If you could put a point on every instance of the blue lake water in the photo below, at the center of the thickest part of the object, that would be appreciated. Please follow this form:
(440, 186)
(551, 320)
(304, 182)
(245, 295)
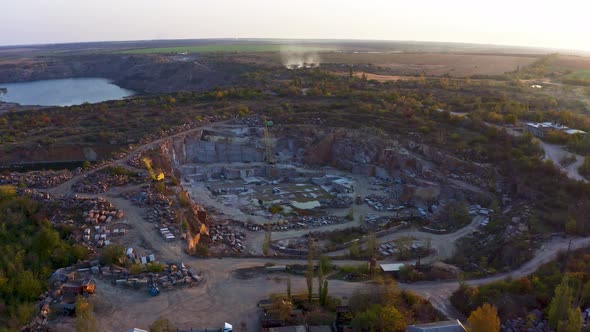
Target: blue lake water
(63, 92)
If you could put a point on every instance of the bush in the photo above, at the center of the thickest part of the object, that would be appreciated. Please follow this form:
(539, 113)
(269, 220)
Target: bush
(202, 250)
(112, 254)
(276, 209)
(136, 269)
(7, 192)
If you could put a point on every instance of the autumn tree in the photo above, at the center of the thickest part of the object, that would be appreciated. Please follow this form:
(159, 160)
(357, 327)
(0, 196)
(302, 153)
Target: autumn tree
(574, 321)
(85, 320)
(282, 307)
(267, 240)
(560, 304)
(320, 281)
(484, 319)
(309, 272)
(354, 250)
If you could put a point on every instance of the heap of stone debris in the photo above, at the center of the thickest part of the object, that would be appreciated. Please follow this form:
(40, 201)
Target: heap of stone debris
(100, 182)
(228, 236)
(533, 323)
(38, 179)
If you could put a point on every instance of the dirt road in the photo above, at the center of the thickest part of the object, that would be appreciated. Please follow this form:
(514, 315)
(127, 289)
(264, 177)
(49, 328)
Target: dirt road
(225, 297)
(66, 187)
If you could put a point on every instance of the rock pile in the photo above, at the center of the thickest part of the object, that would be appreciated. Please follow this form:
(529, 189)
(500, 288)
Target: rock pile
(39, 179)
(533, 323)
(228, 236)
(100, 182)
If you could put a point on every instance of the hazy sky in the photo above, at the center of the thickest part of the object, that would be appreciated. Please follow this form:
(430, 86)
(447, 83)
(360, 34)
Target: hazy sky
(546, 23)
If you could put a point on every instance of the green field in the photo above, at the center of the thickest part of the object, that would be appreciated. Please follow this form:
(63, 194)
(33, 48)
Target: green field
(228, 48)
(580, 75)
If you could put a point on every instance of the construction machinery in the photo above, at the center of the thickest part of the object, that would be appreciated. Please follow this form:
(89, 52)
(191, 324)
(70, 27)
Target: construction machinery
(156, 176)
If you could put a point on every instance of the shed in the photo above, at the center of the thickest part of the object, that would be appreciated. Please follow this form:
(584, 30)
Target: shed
(444, 326)
(392, 267)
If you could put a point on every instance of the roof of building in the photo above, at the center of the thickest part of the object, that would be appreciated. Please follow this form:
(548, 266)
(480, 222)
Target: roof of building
(574, 131)
(443, 326)
(392, 267)
(295, 328)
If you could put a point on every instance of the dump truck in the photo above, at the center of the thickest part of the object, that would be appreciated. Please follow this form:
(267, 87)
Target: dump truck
(84, 287)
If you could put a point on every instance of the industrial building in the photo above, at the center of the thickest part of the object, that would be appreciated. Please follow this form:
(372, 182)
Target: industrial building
(539, 129)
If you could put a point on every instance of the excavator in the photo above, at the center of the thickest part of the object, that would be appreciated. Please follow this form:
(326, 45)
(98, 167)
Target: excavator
(156, 176)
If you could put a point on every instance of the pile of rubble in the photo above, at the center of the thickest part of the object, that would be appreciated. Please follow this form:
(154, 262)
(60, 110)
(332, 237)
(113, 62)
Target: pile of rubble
(382, 203)
(228, 236)
(180, 128)
(172, 276)
(100, 182)
(254, 120)
(159, 209)
(298, 222)
(533, 323)
(338, 202)
(137, 161)
(39, 179)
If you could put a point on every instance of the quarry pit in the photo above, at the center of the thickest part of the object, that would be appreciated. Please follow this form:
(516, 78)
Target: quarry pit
(299, 180)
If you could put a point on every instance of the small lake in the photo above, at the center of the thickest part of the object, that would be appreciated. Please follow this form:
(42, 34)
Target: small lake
(63, 92)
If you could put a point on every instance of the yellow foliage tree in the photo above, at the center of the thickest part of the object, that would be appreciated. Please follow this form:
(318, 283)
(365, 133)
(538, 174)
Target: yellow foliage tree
(484, 319)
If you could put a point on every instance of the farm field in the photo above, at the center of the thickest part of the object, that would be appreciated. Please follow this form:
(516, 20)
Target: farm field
(433, 64)
(571, 62)
(221, 48)
(580, 75)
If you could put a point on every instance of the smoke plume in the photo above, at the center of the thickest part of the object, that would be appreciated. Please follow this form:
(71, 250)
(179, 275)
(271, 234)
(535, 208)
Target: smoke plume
(294, 58)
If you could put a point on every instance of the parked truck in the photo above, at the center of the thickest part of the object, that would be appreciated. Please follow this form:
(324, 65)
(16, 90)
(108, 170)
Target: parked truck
(83, 287)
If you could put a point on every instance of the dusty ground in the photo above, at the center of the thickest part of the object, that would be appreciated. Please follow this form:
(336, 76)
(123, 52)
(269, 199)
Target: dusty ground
(223, 297)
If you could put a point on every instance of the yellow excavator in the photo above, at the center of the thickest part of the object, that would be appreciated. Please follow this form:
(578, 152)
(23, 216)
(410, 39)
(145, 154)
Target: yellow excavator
(156, 176)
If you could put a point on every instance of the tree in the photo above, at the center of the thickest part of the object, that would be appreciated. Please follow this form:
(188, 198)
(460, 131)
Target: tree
(364, 321)
(320, 281)
(3, 91)
(267, 239)
(309, 272)
(289, 286)
(325, 264)
(389, 319)
(458, 213)
(560, 304)
(85, 320)
(574, 321)
(372, 245)
(7, 192)
(354, 249)
(324, 295)
(484, 319)
(162, 325)
(112, 254)
(282, 307)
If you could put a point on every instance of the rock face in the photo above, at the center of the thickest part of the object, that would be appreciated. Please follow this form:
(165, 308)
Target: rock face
(215, 152)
